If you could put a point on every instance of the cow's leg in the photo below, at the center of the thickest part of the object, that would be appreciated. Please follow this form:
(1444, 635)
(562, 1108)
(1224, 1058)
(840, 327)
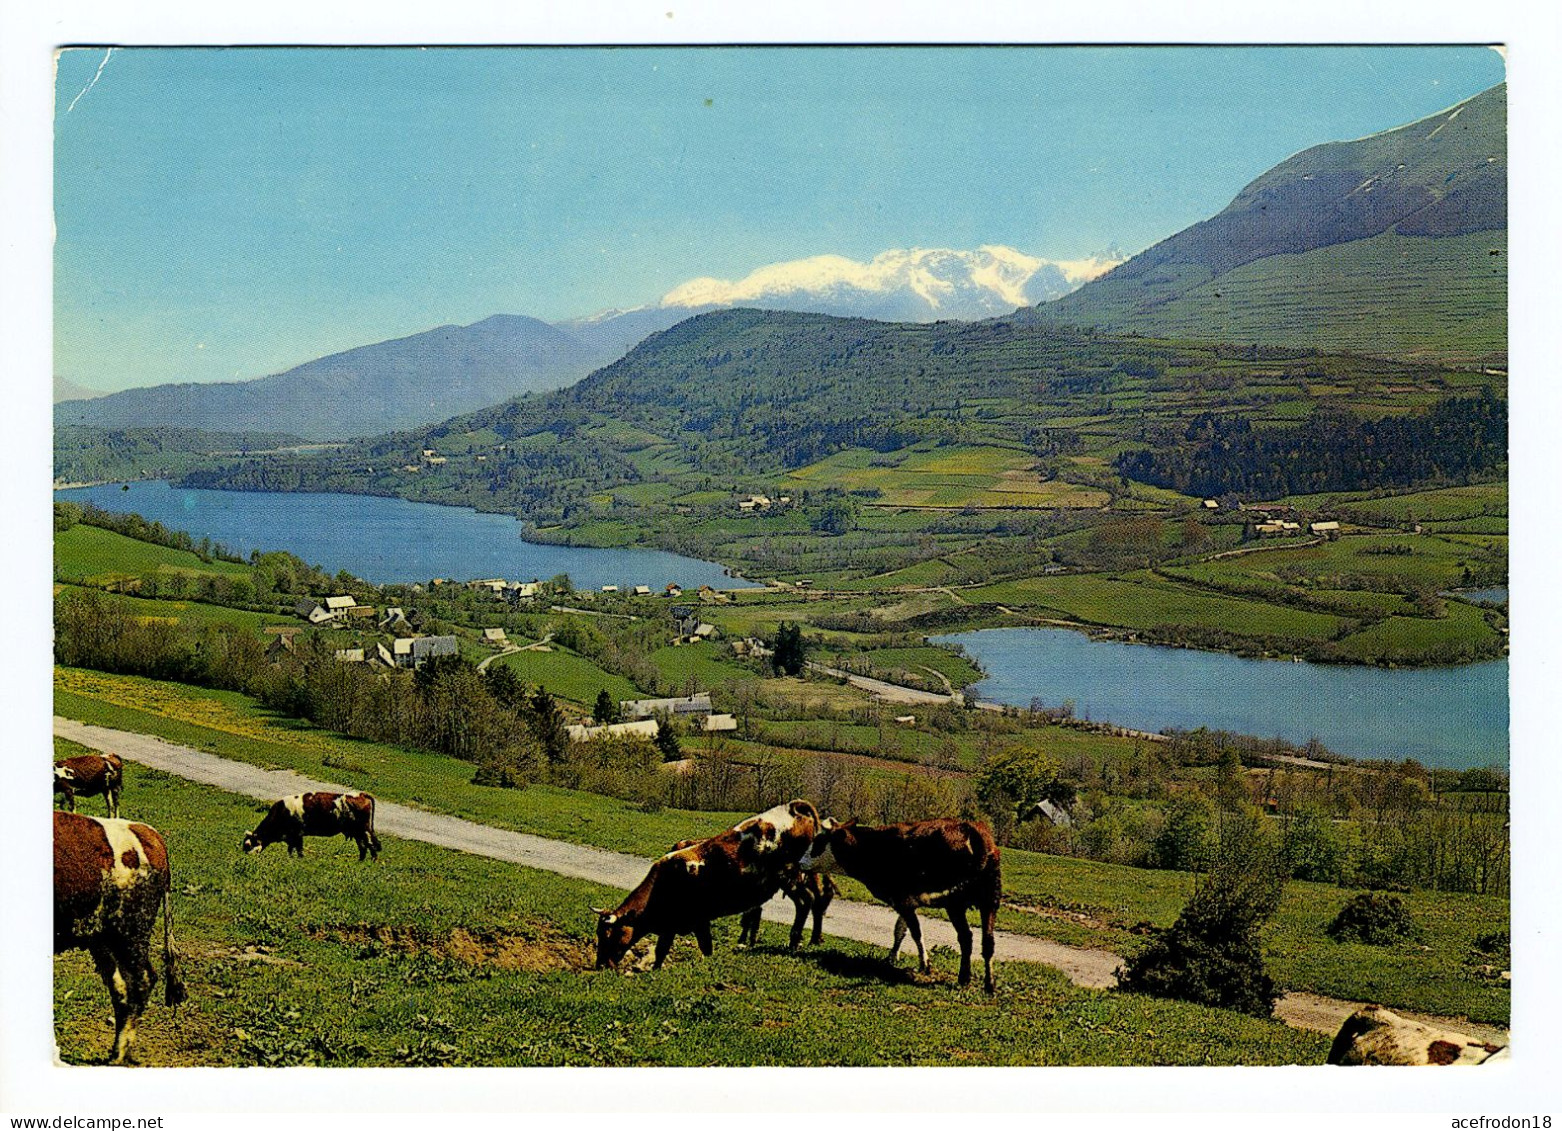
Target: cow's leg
(119, 993)
(821, 902)
(748, 928)
(363, 847)
(702, 936)
(295, 845)
(664, 943)
(908, 922)
(989, 921)
(70, 800)
(111, 795)
(135, 965)
(963, 933)
(802, 903)
(900, 937)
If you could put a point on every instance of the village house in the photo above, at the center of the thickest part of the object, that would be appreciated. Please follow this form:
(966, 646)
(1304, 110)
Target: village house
(714, 724)
(495, 636)
(642, 590)
(331, 609)
(415, 651)
(1326, 529)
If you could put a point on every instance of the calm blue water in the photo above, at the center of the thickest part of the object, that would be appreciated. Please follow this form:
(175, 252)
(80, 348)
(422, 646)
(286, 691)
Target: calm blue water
(1453, 717)
(391, 540)
(1497, 595)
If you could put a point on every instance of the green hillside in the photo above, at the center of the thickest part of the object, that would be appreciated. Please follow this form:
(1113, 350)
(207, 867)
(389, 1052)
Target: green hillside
(1404, 296)
(1392, 244)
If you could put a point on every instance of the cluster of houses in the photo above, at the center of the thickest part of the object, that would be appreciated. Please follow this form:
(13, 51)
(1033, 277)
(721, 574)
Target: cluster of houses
(762, 503)
(1278, 522)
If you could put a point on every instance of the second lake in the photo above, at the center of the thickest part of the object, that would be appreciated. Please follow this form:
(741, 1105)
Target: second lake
(1450, 717)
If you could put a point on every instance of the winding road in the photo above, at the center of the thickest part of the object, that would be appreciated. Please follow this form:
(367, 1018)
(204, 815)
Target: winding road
(864, 922)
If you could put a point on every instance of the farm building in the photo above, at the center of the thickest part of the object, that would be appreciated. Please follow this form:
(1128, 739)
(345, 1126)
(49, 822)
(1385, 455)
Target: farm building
(644, 728)
(495, 636)
(716, 723)
(682, 705)
(1327, 529)
(1053, 814)
(642, 590)
(349, 655)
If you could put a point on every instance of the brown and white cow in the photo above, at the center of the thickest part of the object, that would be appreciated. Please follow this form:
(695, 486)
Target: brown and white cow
(727, 874)
(1374, 1035)
(90, 775)
(110, 877)
(317, 814)
(810, 892)
(944, 863)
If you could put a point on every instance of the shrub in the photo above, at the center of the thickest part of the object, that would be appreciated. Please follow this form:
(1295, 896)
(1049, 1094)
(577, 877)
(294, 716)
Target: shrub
(1494, 945)
(1373, 917)
(1211, 954)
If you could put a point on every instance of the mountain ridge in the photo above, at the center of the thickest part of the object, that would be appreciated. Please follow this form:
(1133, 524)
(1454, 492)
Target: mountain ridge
(1442, 177)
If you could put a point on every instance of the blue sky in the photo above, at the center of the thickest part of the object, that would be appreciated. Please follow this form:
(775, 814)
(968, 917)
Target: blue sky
(225, 214)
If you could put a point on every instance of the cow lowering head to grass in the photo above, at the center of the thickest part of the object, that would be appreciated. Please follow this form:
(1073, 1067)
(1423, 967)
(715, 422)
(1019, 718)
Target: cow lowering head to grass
(317, 814)
(90, 775)
(943, 863)
(727, 874)
(110, 877)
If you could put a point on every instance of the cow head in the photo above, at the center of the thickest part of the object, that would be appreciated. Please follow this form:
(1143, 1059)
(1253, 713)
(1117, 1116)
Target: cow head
(616, 933)
(820, 856)
(252, 843)
(63, 775)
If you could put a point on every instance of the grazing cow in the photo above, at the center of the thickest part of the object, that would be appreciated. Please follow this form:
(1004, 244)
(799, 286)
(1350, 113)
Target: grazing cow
(90, 775)
(1374, 1035)
(808, 891)
(727, 874)
(317, 814)
(110, 876)
(944, 863)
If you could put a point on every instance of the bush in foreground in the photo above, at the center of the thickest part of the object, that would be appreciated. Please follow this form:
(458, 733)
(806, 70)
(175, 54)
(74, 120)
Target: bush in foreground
(1211, 954)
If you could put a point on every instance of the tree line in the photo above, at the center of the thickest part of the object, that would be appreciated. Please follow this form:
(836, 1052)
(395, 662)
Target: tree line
(1454, 441)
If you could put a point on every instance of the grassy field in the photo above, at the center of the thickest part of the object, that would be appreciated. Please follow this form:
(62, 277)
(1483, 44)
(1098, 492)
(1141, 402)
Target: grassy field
(697, 667)
(1136, 602)
(431, 957)
(1079, 902)
(947, 476)
(568, 675)
(94, 555)
(186, 612)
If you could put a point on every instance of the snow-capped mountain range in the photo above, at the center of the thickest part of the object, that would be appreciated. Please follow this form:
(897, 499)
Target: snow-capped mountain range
(901, 284)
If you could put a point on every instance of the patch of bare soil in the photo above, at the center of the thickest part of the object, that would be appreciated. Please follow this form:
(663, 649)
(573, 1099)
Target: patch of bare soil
(1083, 919)
(165, 1037)
(535, 949)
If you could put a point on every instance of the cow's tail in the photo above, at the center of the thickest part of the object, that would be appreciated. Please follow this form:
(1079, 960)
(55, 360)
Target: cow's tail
(374, 841)
(801, 808)
(173, 985)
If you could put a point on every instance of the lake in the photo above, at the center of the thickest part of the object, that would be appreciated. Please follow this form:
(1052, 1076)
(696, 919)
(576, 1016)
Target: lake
(1452, 717)
(390, 541)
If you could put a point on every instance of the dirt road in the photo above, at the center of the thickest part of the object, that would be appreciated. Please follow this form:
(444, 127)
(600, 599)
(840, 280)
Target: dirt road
(864, 922)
